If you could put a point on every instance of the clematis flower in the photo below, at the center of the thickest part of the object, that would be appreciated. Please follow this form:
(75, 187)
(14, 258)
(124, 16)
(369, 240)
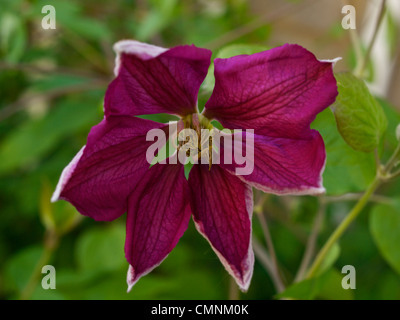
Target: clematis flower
(277, 93)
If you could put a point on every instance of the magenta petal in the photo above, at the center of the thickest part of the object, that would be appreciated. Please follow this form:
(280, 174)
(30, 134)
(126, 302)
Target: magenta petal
(100, 178)
(153, 80)
(222, 206)
(158, 215)
(283, 166)
(276, 92)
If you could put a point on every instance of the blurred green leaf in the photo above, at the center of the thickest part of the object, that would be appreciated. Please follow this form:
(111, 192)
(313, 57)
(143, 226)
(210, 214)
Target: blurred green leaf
(45, 209)
(34, 138)
(304, 290)
(360, 119)
(332, 288)
(346, 170)
(326, 286)
(20, 267)
(70, 16)
(329, 260)
(13, 36)
(101, 249)
(56, 81)
(157, 18)
(385, 228)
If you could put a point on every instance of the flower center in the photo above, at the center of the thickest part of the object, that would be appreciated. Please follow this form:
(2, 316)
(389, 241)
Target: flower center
(196, 138)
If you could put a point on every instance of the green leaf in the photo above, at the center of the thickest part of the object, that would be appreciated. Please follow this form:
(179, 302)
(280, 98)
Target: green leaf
(20, 267)
(101, 249)
(35, 138)
(303, 290)
(325, 286)
(385, 228)
(331, 257)
(332, 287)
(157, 19)
(57, 81)
(360, 119)
(13, 36)
(346, 170)
(187, 168)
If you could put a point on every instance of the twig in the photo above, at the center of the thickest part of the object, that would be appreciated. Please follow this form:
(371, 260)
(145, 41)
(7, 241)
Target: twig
(356, 196)
(311, 243)
(268, 239)
(269, 16)
(53, 70)
(265, 260)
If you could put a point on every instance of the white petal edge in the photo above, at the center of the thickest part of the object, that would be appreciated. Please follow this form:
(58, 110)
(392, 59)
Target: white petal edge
(66, 175)
(249, 259)
(136, 48)
(300, 191)
(333, 61)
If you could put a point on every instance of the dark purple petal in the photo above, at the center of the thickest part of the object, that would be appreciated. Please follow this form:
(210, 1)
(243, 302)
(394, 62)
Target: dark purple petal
(153, 80)
(277, 92)
(158, 215)
(222, 206)
(102, 175)
(280, 165)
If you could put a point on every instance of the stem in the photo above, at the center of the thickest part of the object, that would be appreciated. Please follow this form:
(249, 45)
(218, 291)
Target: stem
(355, 40)
(392, 161)
(395, 174)
(343, 227)
(360, 70)
(311, 243)
(265, 260)
(356, 196)
(258, 209)
(233, 290)
(268, 239)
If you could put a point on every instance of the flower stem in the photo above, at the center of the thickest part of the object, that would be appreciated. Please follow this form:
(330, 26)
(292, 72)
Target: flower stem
(234, 293)
(343, 227)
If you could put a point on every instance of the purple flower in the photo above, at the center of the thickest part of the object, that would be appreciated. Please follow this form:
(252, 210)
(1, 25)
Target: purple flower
(278, 93)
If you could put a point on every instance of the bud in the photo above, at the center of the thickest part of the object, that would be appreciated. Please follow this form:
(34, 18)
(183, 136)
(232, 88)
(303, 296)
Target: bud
(398, 132)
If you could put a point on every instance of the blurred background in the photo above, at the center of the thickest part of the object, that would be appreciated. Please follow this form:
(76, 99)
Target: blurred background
(52, 84)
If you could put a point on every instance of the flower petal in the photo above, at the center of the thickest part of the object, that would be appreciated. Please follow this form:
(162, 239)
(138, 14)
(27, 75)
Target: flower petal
(100, 178)
(158, 215)
(280, 165)
(222, 207)
(276, 92)
(153, 80)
